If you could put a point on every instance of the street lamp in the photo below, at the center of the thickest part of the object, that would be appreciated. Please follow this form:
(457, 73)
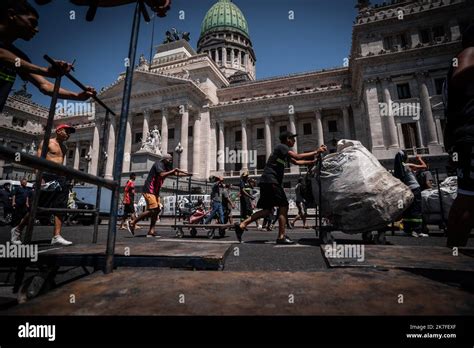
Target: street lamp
(179, 150)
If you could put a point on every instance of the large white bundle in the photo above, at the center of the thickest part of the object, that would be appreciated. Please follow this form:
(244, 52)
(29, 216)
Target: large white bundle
(358, 193)
(430, 200)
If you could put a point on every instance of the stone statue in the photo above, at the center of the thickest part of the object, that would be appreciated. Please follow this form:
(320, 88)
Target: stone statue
(32, 150)
(174, 35)
(152, 142)
(169, 37)
(142, 60)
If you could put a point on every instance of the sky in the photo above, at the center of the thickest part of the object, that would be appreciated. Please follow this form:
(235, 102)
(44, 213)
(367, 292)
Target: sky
(318, 37)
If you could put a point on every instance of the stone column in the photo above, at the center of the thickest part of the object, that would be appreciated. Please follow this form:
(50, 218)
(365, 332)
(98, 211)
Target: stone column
(212, 143)
(319, 128)
(389, 119)
(128, 145)
(293, 129)
(220, 157)
(374, 119)
(268, 138)
(95, 151)
(224, 56)
(196, 143)
(184, 137)
(110, 151)
(232, 57)
(164, 131)
(239, 60)
(245, 159)
(146, 124)
(77, 156)
(428, 120)
(347, 127)
(401, 141)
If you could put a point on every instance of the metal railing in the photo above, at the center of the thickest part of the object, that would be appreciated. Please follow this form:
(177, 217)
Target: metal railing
(41, 164)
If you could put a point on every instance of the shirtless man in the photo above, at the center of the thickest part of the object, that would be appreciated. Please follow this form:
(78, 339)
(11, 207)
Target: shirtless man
(57, 193)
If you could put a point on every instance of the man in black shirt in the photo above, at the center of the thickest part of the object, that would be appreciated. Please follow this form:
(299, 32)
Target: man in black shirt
(271, 184)
(19, 20)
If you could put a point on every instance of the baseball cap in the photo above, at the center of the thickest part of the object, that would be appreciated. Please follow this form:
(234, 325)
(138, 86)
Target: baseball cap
(68, 128)
(285, 135)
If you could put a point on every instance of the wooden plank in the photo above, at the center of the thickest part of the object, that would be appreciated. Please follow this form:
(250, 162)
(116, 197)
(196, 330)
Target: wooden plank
(141, 253)
(326, 292)
(407, 257)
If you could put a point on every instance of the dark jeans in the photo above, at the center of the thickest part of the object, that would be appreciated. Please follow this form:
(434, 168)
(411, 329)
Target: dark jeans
(216, 209)
(412, 219)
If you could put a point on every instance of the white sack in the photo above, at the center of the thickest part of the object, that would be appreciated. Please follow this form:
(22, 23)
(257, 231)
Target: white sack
(358, 193)
(430, 199)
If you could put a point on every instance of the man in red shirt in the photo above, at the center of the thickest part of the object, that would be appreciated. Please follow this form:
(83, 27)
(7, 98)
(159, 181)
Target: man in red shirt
(151, 192)
(128, 199)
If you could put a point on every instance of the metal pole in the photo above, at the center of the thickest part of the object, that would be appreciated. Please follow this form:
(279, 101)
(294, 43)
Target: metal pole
(118, 163)
(320, 195)
(44, 151)
(80, 85)
(189, 189)
(152, 39)
(20, 272)
(100, 173)
(440, 198)
(176, 196)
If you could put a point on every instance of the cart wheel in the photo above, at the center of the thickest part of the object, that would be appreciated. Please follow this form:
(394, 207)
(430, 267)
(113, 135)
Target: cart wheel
(179, 233)
(222, 232)
(194, 232)
(368, 237)
(380, 239)
(211, 234)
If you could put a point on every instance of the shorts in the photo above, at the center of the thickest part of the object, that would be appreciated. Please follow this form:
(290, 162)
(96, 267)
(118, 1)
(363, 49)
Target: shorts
(245, 207)
(152, 201)
(128, 209)
(57, 195)
(465, 168)
(301, 208)
(271, 195)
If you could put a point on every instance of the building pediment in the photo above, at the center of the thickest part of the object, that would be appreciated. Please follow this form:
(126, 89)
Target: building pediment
(143, 82)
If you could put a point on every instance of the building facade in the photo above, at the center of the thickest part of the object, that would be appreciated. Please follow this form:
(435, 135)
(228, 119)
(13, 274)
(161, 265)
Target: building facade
(387, 95)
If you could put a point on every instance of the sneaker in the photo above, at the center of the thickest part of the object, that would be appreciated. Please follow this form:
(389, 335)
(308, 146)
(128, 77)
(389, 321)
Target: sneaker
(285, 241)
(154, 235)
(60, 240)
(259, 227)
(130, 228)
(238, 232)
(15, 236)
(423, 235)
(414, 234)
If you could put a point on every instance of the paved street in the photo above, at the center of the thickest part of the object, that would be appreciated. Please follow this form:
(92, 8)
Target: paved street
(257, 257)
(258, 252)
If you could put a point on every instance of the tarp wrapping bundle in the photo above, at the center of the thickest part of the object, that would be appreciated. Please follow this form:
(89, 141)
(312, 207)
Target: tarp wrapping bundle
(358, 193)
(431, 206)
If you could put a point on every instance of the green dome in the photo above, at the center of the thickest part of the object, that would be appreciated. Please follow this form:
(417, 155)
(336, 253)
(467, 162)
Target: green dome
(224, 15)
